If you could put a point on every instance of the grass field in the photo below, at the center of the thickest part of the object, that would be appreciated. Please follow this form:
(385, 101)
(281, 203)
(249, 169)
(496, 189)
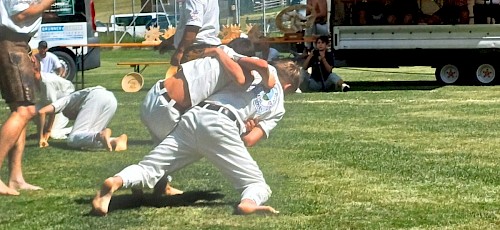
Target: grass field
(396, 152)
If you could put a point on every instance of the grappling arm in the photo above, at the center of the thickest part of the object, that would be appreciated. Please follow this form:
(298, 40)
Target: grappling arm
(261, 67)
(230, 67)
(188, 38)
(254, 133)
(45, 129)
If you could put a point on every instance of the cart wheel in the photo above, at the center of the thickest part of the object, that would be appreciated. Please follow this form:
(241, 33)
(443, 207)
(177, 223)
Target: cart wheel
(289, 20)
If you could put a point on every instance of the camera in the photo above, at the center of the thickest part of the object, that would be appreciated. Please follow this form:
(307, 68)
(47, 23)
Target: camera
(316, 52)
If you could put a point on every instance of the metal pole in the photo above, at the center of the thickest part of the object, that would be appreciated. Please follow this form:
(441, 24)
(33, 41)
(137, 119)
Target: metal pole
(163, 7)
(175, 13)
(133, 21)
(114, 23)
(332, 21)
(237, 3)
(264, 17)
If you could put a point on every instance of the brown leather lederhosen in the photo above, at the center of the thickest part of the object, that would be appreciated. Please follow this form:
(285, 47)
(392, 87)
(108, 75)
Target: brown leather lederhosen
(17, 76)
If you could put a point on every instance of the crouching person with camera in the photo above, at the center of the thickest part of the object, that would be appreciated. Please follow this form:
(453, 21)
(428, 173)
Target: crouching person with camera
(321, 78)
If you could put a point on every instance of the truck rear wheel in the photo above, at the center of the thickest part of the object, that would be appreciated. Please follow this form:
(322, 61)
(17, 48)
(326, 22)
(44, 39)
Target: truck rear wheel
(485, 74)
(68, 63)
(448, 74)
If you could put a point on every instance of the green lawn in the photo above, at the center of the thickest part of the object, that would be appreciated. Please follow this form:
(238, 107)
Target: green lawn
(396, 152)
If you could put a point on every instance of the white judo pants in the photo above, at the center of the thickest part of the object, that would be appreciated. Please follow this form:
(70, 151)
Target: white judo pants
(158, 115)
(202, 133)
(96, 112)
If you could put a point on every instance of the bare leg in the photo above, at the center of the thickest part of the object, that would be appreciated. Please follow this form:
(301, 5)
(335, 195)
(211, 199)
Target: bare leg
(17, 181)
(100, 203)
(119, 143)
(105, 136)
(248, 206)
(9, 135)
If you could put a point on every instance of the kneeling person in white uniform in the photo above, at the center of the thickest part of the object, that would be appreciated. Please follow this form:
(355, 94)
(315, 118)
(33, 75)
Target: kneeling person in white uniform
(53, 87)
(92, 110)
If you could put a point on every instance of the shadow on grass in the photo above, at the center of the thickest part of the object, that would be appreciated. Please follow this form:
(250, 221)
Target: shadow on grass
(62, 144)
(392, 85)
(131, 201)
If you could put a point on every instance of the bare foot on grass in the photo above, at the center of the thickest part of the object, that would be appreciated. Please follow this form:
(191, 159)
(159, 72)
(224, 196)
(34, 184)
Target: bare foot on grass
(43, 143)
(44, 140)
(100, 203)
(249, 207)
(120, 142)
(171, 191)
(23, 186)
(163, 187)
(6, 191)
(105, 136)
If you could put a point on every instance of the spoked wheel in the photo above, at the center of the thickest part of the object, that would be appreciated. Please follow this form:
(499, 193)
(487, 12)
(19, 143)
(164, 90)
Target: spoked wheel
(448, 74)
(291, 20)
(485, 74)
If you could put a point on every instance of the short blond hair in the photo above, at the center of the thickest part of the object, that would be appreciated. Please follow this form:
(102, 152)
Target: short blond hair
(288, 73)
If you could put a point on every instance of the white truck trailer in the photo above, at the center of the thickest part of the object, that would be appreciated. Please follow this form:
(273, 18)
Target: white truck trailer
(462, 53)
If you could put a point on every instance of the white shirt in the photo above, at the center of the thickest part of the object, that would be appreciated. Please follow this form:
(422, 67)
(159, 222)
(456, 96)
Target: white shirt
(54, 87)
(203, 14)
(204, 76)
(254, 103)
(9, 8)
(71, 104)
(50, 63)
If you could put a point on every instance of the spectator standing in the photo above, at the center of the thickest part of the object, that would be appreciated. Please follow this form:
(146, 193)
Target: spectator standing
(198, 29)
(321, 22)
(19, 21)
